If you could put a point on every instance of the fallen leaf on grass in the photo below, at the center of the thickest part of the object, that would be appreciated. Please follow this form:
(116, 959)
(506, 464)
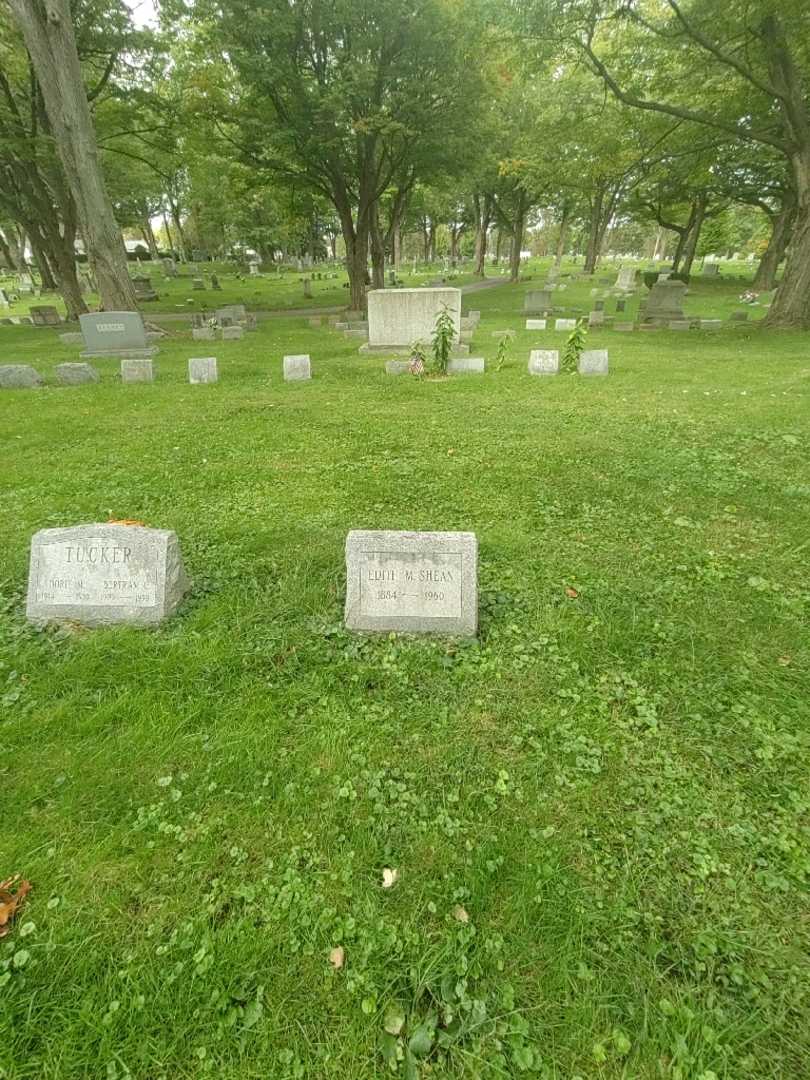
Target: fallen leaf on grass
(125, 521)
(13, 892)
(784, 660)
(572, 593)
(460, 914)
(389, 878)
(337, 957)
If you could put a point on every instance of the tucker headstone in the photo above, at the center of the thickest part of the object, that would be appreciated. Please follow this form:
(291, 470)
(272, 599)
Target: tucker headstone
(115, 333)
(412, 582)
(103, 574)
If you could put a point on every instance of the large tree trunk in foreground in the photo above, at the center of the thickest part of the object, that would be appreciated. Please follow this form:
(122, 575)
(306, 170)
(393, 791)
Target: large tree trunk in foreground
(781, 226)
(790, 308)
(48, 32)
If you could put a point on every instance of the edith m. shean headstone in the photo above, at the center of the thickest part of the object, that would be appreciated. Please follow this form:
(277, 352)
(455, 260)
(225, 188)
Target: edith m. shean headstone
(416, 582)
(97, 575)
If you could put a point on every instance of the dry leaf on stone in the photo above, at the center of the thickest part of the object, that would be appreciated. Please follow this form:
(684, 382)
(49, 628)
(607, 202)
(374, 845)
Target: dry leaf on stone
(460, 914)
(13, 892)
(389, 878)
(125, 521)
(337, 957)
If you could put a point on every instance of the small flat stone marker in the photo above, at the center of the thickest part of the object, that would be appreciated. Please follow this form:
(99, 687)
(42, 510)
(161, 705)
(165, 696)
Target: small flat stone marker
(98, 575)
(593, 362)
(76, 374)
(535, 324)
(419, 582)
(711, 324)
(18, 376)
(678, 324)
(202, 369)
(203, 333)
(297, 367)
(397, 367)
(544, 362)
(232, 333)
(466, 365)
(625, 327)
(136, 371)
(565, 324)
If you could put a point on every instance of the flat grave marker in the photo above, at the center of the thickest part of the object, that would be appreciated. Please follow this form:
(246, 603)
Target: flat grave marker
(421, 582)
(544, 362)
(297, 367)
(202, 369)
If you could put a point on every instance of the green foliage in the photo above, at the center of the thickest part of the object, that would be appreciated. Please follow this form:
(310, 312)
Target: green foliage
(679, 275)
(574, 344)
(649, 277)
(503, 350)
(444, 336)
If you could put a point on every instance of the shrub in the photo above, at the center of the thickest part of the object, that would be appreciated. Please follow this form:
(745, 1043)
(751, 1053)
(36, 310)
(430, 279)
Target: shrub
(444, 335)
(650, 278)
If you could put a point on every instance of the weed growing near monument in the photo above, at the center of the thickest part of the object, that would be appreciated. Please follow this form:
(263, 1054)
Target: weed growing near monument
(444, 336)
(574, 346)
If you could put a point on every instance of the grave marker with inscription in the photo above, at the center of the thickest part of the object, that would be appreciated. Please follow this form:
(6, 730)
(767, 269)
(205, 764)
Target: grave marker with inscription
(115, 333)
(420, 582)
(98, 575)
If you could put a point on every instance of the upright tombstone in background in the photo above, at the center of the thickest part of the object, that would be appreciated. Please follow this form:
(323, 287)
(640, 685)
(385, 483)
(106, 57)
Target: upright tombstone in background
(100, 574)
(115, 333)
(626, 281)
(44, 315)
(665, 302)
(420, 582)
(537, 302)
(402, 316)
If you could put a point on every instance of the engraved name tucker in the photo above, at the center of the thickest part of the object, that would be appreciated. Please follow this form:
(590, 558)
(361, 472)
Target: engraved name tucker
(98, 553)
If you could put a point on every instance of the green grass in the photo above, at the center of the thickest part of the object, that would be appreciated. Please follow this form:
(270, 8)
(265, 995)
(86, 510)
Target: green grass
(613, 786)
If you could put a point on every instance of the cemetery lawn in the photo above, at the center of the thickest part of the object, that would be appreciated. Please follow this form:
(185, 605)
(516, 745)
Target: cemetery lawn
(597, 811)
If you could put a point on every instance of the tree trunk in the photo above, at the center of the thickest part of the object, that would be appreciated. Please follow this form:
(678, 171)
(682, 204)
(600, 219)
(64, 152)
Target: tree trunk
(65, 261)
(781, 225)
(562, 236)
(47, 280)
(149, 237)
(483, 220)
(498, 242)
(517, 236)
(377, 249)
(790, 308)
(5, 251)
(594, 235)
(695, 225)
(51, 44)
(431, 241)
(182, 248)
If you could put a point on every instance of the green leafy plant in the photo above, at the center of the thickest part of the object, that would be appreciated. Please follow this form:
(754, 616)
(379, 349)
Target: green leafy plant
(503, 350)
(574, 345)
(444, 334)
(650, 278)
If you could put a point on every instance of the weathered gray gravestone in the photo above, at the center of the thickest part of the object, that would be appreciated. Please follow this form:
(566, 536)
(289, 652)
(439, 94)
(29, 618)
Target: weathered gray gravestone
(596, 318)
(103, 574)
(537, 301)
(232, 333)
(466, 365)
(593, 362)
(665, 301)
(565, 324)
(18, 376)
(133, 371)
(115, 333)
(535, 324)
(412, 582)
(402, 316)
(544, 362)
(202, 369)
(397, 367)
(43, 315)
(296, 367)
(203, 333)
(626, 279)
(76, 374)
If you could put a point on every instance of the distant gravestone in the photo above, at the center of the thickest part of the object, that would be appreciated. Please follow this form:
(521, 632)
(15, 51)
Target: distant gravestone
(296, 367)
(169, 267)
(307, 288)
(143, 288)
(115, 333)
(198, 284)
(678, 324)
(76, 374)
(665, 301)
(625, 327)
(537, 302)
(237, 312)
(739, 316)
(711, 269)
(565, 324)
(203, 333)
(412, 582)
(199, 255)
(711, 324)
(599, 305)
(215, 285)
(466, 365)
(232, 333)
(535, 324)
(42, 315)
(544, 362)
(202, 369)
(253, 268)
(397, 367)
(103, 574)
(596, 318)
(135, 371)
(18, 376)
(593, 362)
(626, 279)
